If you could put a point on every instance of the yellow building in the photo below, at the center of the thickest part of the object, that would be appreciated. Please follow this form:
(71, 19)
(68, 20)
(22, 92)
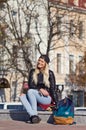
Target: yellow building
(67, 48)
(69, 45)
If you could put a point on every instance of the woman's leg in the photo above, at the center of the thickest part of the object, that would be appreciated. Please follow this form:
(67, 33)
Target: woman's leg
(27, 105)
(30, 104)
(34, 98)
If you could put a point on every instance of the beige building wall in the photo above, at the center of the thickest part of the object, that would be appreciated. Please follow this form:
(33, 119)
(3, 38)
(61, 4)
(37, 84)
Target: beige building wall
(67, 46)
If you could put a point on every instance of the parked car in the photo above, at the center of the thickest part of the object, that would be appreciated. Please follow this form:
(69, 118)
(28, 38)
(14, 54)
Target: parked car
(11, 105)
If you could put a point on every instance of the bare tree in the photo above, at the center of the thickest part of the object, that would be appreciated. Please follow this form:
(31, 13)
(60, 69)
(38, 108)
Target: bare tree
(78, 78)
(62, 22)
(17, 20)
(16, 38)
(18, 32)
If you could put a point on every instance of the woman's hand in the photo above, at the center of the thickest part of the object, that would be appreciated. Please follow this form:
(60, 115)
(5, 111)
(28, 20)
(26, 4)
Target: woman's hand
(44, 92)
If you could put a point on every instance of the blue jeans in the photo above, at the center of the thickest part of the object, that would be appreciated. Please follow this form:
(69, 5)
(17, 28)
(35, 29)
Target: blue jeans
(30, 101)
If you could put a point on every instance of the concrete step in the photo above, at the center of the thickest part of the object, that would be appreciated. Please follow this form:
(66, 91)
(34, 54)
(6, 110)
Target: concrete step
(22, 115)
(46, 116)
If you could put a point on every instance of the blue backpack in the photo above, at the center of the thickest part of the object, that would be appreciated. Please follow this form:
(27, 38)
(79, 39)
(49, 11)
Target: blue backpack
(64, 113)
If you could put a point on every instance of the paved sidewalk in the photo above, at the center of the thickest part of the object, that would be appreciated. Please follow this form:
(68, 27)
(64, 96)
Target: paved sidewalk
(20, 125)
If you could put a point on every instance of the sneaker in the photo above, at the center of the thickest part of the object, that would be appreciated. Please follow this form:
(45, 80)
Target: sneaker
(35, 119)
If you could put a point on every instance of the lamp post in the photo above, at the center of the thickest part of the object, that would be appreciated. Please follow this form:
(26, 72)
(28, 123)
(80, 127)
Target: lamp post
(60, 89)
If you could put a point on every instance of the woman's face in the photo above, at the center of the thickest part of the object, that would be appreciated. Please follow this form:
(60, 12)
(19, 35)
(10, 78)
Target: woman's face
(41, 64)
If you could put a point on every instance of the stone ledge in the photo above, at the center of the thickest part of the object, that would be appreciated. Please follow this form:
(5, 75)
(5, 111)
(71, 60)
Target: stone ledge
(23, 116)
(46, 116)
(80, 113)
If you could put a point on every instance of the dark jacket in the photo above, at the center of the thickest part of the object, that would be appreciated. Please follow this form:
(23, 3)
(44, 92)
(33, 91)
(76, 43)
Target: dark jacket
(40, 84)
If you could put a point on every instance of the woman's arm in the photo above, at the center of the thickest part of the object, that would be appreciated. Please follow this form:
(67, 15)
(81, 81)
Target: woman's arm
(30, 80)
(53, 87)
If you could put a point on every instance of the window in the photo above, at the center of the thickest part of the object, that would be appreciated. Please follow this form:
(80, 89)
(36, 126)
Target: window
(72, 28)
(15, 54)
(71, 64)
(2, 61)
(58, 63)
(76, 29)
(78, 98)
(85, 99)
(13, 91)
(80, 30)
(14, 12)
(15, 107)
(1, 106)
(80, 58)
(15, 51)
(59, 24)
(80, 68)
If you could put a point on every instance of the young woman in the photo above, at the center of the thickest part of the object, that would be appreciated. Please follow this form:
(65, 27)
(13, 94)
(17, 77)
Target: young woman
(41, 88)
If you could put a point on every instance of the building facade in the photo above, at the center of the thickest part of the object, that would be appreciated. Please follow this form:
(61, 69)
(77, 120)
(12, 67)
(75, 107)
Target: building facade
(22, 28)
(70, 47)
(67, 45)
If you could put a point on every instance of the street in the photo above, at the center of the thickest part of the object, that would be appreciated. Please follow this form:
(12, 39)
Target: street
(19, 125)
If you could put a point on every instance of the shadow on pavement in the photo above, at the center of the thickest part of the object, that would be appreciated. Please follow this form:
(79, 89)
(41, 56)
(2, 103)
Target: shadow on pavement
(19, 115)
